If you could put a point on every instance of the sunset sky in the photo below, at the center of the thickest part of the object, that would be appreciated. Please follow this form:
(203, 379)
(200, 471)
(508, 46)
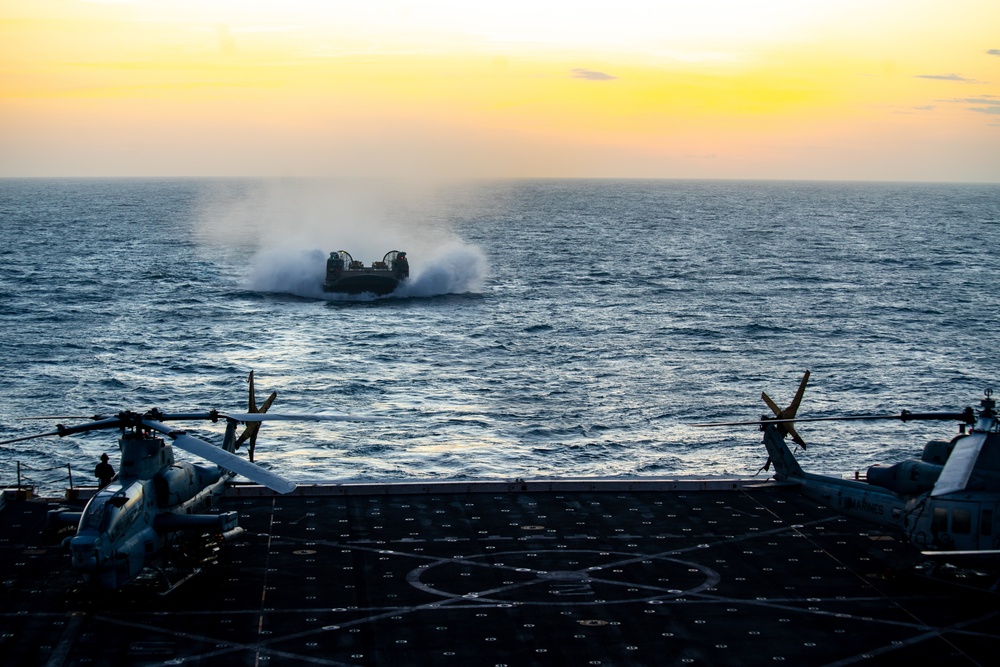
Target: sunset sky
(803, 89)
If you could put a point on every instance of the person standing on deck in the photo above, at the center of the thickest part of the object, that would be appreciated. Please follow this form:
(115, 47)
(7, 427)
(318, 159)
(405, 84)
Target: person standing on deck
(104, 472)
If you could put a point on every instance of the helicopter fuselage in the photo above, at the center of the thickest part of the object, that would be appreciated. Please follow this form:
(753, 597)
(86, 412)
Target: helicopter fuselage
(967, 520)
(128, 523)
(960, 522)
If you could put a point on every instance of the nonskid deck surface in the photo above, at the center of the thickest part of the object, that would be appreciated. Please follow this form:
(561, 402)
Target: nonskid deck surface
(496, 577)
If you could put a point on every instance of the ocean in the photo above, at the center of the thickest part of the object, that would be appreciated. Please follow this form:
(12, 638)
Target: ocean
(551, 328)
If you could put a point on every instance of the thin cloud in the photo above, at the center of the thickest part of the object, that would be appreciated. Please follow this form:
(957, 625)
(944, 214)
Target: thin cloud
(994, 52)
(945, 77)
(591, 75)
(989, 104)
(985, 99)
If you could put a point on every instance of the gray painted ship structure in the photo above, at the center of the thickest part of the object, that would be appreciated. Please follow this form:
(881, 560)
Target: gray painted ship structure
(525, 572)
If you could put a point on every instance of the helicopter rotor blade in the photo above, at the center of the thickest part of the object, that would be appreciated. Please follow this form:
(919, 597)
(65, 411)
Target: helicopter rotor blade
(222, 458)
(262, 417)
(796, 438)
(211, 415)
(31, 437)
(47, 417)
(794, 406)
(127, 419)
(63, 431)
(958, 468)
(904, 416)
(771, 404)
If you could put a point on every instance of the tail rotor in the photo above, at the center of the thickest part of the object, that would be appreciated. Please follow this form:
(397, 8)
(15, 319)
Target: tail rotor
(252, 428)
(786, 428)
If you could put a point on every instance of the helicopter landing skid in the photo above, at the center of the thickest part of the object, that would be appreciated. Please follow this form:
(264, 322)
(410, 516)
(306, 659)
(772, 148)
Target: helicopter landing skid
(172, 586)
(185, 561)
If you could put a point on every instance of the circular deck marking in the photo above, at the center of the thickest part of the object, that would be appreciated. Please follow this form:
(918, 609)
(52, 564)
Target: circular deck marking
(543, 578)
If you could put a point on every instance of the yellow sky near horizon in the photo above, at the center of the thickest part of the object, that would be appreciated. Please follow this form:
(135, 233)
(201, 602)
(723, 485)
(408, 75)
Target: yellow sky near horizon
(827, 89)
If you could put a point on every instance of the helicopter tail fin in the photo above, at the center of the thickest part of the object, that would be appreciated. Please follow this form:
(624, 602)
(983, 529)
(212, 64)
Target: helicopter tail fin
(785, 465)
(229, 440)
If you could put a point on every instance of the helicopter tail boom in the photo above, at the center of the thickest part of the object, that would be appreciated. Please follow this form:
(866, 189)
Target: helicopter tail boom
(785, 465)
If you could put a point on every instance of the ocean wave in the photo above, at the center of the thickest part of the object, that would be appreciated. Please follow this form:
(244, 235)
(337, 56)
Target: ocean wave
(502, 356)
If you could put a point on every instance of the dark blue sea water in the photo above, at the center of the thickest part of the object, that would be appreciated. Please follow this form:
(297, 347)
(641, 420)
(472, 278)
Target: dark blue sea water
(570, 328)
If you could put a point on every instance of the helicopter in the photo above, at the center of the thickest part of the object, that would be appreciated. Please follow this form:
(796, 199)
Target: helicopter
(154, 510)
(946, 503)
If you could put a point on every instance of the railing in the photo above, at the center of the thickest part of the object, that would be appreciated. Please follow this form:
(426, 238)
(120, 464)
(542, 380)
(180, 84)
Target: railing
(25, 481)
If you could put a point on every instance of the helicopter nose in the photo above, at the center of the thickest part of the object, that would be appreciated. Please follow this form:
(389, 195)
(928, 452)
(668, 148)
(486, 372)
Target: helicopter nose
(84, 550)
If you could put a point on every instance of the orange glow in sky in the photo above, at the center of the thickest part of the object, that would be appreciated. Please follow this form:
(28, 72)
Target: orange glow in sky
(824, 89)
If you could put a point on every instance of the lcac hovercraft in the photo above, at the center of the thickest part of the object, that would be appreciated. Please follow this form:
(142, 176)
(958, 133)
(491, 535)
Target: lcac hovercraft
(349, 276)
(153, 513)
(946, 503)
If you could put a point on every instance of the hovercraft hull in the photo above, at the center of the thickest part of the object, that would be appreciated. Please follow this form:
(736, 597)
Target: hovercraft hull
(379, 285)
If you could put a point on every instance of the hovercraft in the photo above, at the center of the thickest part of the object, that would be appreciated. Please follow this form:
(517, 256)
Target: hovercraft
(346, 275)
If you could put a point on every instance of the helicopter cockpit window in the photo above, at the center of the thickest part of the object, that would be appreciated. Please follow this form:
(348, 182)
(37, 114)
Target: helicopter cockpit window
(104, 509)
(961, 522)
(95, 512)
